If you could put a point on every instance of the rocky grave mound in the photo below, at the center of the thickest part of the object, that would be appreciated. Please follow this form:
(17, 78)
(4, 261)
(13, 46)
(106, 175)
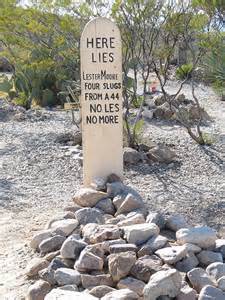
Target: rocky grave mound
(107, 246)
(174, 109)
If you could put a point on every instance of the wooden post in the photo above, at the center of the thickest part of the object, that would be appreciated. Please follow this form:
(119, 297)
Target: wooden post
(101, 100)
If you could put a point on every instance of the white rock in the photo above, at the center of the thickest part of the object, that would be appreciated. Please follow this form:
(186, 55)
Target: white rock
(163, 283)
(88, 197)
(135, 219)
(123, 294)
(199, 278)
(89, 262)
(216, 270)
(221, 283)
(39, 237)
(35, 265)
(72, 247)
(140, 233)
(176, 222)
(132, 284)
(59, 294)
(67, 226)
(65, 276)
(202, 236)
(211, 293)
(171, 255)
(38, 290)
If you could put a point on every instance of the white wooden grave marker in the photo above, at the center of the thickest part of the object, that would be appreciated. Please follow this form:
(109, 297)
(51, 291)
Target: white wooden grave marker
(101, 100)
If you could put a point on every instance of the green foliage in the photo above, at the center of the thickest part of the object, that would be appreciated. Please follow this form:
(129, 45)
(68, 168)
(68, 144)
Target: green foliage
(12, 93)
(133, 132)
(6, 84)
(184, 71)
(215, 68)
(21, 100)
(48, 98)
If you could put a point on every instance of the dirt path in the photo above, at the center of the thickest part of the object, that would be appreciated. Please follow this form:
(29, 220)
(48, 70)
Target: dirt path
(38, 179)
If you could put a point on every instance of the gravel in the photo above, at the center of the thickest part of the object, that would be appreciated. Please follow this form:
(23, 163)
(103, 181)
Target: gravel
(38, 177)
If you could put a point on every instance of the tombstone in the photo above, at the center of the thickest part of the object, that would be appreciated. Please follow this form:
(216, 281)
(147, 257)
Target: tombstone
(101, 100)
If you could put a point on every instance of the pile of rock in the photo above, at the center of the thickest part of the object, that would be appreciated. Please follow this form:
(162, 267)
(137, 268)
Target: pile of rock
(170, 109)
(107, 246)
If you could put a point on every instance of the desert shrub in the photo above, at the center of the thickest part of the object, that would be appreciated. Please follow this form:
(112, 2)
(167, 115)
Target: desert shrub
(184, 71)
(215, 68)
(21, 100)
(48, 98)
(5, 84)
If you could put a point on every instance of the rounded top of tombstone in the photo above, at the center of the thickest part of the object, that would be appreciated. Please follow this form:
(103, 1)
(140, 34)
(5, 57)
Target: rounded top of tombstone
(103, 23)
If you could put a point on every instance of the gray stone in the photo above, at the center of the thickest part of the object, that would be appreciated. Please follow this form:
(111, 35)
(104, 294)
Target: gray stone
(207, 257)
(67, 226)
(187, 293)
(129, 204)
(38, 290)
(123, 294)
(65, 276)
(163, 283)
(121, 264)
(161, 154)
(89, 215)
(59, 294)
(106, 245)
(216, 270)
(98, 184)
(48, 274)
(156, 242)
(39, 237)
(211, 293)
(201, 236)
(131, 156)
(132, 284)
(117, 248)
(188, 263)
(88, 197)
(35, 265)
(118, 188)
(118, 200)
(89, 281)
(220, 246)
(101, 291)
(199, 278)
(96, 249)
(157, 218)
(88, 262)
(140, 233)
(94, 233)
(146, 266)
(69, 287)
(176, 222)
(191, 248)
(171, 255)
(72, 247)
(221, 283)
(51, 244)
(106, 205)
(137, 218)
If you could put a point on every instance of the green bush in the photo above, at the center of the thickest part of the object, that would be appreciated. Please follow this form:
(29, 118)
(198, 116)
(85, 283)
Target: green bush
(5, 84)
(21, 100)
(184, 71)
(48, 98)
(215, 69)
